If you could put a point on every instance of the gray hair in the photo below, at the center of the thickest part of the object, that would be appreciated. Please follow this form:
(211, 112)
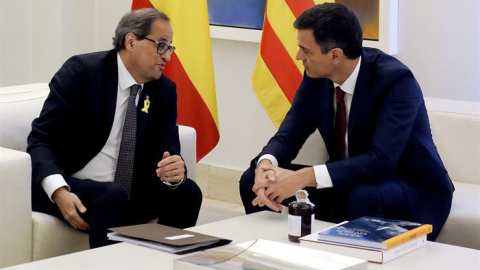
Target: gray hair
(138, 22)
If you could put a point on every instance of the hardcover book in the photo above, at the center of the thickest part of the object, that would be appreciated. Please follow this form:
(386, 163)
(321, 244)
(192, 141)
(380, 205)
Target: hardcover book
(373, 232)
(370, 254)
(267, 255)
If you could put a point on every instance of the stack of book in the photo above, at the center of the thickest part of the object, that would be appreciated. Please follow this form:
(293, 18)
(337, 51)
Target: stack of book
(373, 239)
(268, 255)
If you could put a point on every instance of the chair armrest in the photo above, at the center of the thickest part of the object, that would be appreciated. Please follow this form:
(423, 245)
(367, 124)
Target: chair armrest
(15, 207)
(54, 237)
(188, 144)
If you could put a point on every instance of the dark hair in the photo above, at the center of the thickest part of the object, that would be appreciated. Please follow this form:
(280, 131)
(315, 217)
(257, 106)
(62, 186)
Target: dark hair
(334, 26)
(138, 22)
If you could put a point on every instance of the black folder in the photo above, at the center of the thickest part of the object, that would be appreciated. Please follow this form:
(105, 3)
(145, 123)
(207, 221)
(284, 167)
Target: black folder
(165, 238)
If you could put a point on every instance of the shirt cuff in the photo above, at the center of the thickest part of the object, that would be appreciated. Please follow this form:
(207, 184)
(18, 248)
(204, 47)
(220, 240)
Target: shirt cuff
(53, 182)
(322, 176)
(269, 157)
(175, 185)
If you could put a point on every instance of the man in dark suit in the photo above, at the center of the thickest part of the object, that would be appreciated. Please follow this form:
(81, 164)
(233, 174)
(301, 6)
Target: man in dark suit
(370, 112)
(105, 148)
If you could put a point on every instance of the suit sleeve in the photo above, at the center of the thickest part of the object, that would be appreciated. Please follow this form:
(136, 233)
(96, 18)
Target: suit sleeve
(293, 132)
(396, 117)
(171, 138)
(58, 107)
(167, 121)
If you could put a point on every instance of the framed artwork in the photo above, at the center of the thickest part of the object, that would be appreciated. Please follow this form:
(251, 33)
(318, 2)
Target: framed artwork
(378, 18)
(237, 13)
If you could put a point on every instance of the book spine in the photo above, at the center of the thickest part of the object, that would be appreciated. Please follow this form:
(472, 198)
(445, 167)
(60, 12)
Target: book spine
(408, 247)
(370, 255)
(408, 236)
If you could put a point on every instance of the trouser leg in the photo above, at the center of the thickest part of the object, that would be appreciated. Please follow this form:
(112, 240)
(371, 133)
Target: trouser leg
(384, 199)
(106, 205)
(178, 207)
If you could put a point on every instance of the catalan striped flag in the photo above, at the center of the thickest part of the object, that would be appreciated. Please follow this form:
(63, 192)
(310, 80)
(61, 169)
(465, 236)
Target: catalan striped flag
(191, 67)
(277, 73)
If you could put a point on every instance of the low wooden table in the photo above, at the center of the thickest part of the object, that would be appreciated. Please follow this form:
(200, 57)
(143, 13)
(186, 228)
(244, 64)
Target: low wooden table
(265, 225)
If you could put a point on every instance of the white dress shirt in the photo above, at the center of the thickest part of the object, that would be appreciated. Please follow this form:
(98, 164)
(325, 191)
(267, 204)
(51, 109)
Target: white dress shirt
(322, 176)
(103, 166)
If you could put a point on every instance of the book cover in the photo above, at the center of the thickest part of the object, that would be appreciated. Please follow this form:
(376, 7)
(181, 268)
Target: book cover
(374, 232)
(268, 255)
(370, 254)
(165, 238)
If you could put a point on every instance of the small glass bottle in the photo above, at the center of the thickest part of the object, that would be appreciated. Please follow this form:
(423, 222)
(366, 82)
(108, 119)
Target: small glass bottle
(300, 216)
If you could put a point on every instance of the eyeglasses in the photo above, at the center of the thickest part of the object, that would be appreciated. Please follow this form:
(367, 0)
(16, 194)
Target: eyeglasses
(161, 47)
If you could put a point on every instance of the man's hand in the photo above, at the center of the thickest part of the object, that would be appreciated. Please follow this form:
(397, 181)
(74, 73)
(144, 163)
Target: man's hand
(263, 174)
(69, 204)
(262, 178)
(171, 168)
(288, 182)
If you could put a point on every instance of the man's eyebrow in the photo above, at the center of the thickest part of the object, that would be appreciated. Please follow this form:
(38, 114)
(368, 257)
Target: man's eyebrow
(303, 48)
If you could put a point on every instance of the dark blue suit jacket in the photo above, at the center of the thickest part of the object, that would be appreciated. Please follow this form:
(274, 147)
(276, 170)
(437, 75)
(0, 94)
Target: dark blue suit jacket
(388, 135)
(77, 117)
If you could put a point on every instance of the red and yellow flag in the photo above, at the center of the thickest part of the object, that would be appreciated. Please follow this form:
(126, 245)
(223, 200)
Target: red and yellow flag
(277, 73)
(191, 67)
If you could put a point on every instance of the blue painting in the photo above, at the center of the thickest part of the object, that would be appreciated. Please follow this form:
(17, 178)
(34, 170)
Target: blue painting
(237, 13)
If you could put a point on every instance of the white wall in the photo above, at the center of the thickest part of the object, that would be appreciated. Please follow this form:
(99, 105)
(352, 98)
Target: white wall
(37, 36)
(244, 125)
(438, 39)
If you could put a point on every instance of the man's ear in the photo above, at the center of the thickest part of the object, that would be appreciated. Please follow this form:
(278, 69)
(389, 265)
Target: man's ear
(337, 55)
(130, 40)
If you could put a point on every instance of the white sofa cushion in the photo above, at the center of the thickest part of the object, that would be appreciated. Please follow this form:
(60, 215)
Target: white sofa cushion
(19, 105)
(188, 145)
(457, 137)
(15, 221)
(53, 237)
(463, 225)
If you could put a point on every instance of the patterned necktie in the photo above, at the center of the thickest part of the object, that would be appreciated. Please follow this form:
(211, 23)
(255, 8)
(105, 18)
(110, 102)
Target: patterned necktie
(340, 122)
(126, 155)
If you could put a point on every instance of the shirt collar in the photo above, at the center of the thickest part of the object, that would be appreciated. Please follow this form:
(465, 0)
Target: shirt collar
(125, 79)
(349, 85)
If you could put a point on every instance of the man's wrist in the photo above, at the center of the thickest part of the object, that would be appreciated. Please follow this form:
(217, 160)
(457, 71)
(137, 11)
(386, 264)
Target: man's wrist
(263, 162)
(174, 185)
(307, 176)
(58, 193)
(269, 157)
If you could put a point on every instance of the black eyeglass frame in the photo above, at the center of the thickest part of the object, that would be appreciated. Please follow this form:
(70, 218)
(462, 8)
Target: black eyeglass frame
(159, 44)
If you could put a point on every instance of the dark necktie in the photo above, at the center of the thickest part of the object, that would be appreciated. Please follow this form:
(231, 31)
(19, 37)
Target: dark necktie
(340, 122)
(126, 155)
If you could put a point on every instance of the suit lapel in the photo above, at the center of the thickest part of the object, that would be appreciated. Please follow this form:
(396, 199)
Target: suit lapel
(326, 120)
(362, 94)
(110, 90)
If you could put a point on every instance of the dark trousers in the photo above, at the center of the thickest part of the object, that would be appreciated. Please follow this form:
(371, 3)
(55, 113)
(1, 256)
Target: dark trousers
(107, 206)
(384, 199)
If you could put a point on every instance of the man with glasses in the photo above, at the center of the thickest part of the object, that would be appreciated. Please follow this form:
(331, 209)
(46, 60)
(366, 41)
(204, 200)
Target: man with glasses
(105, 149)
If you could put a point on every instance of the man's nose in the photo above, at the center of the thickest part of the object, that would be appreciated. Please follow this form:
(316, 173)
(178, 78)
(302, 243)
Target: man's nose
(167, 56)
(299, 55)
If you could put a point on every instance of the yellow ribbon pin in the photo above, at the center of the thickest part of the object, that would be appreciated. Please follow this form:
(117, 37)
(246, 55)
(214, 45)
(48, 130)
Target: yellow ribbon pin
(146, 105)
